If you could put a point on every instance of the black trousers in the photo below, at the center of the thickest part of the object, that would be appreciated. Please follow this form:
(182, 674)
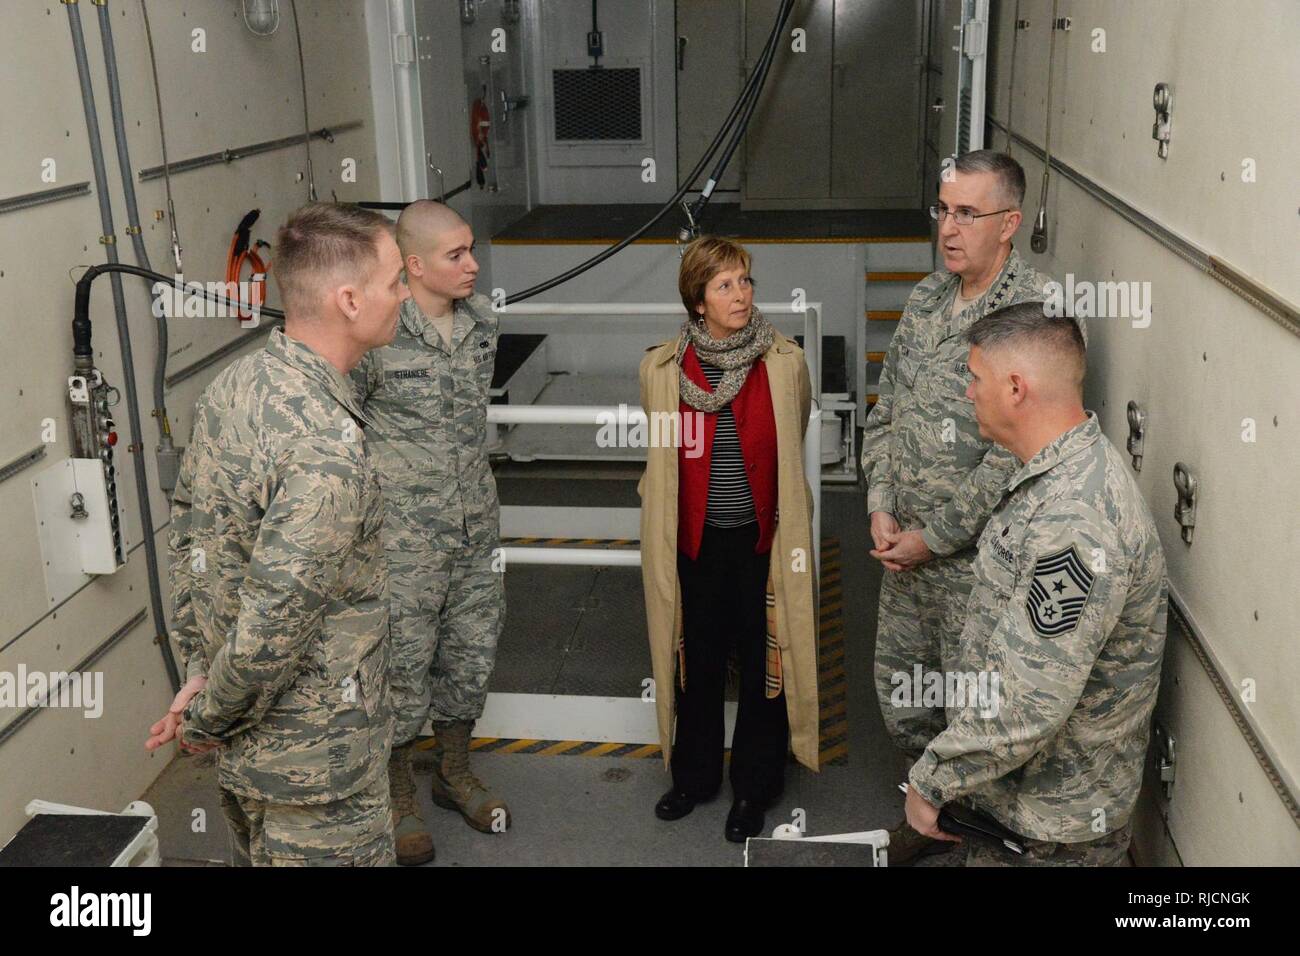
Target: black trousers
(724, 595)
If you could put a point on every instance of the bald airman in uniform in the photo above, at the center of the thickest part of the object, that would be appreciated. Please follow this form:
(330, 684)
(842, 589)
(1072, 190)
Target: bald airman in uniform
(427, 394)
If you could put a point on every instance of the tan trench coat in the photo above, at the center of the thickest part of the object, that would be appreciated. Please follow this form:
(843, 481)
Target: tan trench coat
(796, 601)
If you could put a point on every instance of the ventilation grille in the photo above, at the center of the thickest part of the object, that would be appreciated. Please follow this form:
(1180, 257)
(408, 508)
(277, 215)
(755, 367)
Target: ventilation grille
(601, 104)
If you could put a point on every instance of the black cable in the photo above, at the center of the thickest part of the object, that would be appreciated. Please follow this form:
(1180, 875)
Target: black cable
(81, 301)
(124, 342)
(81, 327)
(693, 214)
(749, 95)
(751, 85)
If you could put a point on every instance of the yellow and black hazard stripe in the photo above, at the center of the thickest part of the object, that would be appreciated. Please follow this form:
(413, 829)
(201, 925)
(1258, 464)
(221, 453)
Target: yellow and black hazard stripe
(831, 678)
(548, 748)
(612, 543)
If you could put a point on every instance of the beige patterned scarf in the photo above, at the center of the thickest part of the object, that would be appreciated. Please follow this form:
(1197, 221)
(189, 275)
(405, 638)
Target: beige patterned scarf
(734, 355)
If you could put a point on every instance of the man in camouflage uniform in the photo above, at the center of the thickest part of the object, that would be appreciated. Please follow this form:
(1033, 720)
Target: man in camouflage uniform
(1068, 610)
(427, 395)
(279, 584)
(931, 479)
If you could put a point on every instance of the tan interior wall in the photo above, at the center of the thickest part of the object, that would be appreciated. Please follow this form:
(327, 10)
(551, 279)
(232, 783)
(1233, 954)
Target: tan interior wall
(1208, 361)
(243, 89)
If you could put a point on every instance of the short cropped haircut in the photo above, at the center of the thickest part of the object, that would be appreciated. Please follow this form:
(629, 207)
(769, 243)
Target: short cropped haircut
(705, 258)
(1009, 173)
(319, 239)
(416, 221)
(1028, 323)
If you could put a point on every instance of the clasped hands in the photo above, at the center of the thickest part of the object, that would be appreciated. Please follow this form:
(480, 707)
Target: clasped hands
(171, 727)
(896, 549)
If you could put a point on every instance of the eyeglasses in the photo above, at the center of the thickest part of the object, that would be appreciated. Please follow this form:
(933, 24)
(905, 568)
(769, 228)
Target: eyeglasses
(963, 217)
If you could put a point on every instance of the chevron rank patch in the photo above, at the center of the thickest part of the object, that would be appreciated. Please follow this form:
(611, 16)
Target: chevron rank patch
(1058, 592)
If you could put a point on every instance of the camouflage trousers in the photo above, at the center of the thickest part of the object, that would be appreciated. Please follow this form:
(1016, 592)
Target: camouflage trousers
(1109, 850)
(354, 831)
(920, 621)
(448, 607)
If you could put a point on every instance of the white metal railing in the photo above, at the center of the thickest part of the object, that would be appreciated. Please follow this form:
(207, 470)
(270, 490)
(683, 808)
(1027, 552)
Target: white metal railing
(634, 416)
(811, 312)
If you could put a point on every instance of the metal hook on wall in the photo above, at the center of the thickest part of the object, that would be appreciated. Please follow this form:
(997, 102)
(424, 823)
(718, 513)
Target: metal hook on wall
(1185, 509)
(1137, 423)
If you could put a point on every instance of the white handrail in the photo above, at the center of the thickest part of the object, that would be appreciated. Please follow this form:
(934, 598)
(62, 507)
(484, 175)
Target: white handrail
(811, 311)
(565, 414)
(587, 557)
(633, 415)
(603, 414)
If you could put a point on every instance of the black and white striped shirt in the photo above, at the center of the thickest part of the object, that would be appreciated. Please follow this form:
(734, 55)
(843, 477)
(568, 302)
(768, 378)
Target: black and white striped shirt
(731, 504)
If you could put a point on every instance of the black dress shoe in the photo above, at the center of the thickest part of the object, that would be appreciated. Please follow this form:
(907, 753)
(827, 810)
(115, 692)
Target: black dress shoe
(674, 805)
(745, 820)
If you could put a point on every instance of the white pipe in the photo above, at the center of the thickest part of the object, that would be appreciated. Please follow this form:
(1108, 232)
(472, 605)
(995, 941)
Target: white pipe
(591, 557)
(811, 311)
(812, 469)
(812, 332)
(630, 415)
(579, 415)
(633, 308)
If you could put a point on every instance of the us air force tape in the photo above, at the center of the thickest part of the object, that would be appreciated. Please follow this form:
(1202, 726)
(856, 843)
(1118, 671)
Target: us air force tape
(1058, 592)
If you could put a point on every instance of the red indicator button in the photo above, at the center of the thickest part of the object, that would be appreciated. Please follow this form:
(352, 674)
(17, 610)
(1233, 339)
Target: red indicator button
(112, 439)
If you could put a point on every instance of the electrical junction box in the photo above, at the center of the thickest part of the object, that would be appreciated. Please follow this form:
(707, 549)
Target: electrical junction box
(81, 528)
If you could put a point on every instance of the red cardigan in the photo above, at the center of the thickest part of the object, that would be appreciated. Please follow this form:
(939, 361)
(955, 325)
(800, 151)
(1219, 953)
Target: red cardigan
(756, 428)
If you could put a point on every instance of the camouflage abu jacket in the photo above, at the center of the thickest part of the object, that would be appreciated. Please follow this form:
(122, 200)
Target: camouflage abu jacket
(922, 454)
(428, 405)
(1068, 610)
(279, 582)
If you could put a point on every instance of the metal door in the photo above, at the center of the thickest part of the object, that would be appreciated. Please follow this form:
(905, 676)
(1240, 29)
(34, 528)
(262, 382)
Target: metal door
(709, 77)
(875, 96)
(787, 147)
(444, 105)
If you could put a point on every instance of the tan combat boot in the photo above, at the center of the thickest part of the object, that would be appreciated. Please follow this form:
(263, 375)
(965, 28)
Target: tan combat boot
(411, 841)
(456, 788)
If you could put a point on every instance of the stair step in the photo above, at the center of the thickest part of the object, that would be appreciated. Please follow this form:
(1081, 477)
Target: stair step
(896, 276)
(884, 315)
(875, 357)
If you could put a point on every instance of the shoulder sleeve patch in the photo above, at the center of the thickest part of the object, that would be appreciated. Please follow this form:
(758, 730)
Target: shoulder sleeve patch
(1058, 592)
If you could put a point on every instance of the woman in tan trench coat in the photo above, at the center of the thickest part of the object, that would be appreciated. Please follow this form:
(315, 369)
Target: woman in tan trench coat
(725, 518)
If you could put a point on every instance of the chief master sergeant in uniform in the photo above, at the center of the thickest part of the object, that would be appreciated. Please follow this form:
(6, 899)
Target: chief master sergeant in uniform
(427, 395)
(279, 584)
(932, 480)
(1068, 610)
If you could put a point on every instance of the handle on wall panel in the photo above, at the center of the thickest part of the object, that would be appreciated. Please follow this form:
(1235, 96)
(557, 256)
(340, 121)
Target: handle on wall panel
(442, 184)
